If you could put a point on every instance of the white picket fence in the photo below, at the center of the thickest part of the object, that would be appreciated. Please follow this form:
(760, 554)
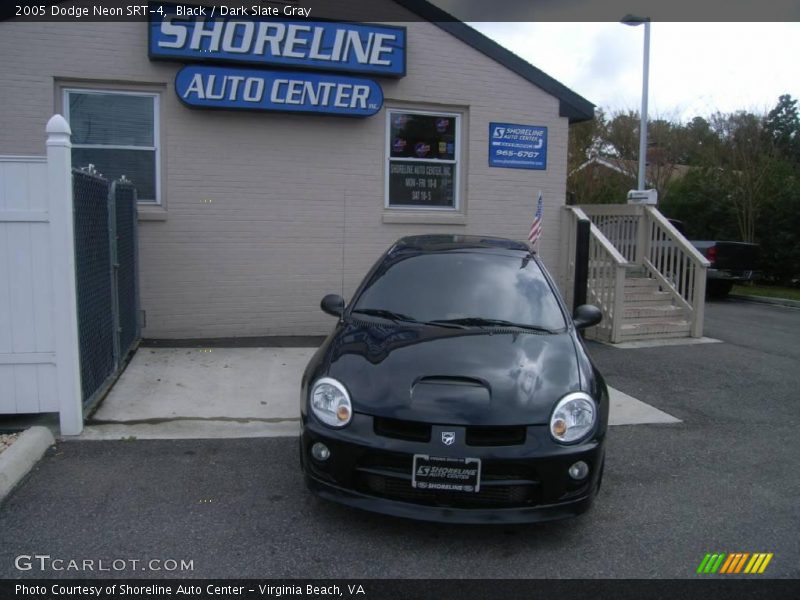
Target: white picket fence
(39, 358)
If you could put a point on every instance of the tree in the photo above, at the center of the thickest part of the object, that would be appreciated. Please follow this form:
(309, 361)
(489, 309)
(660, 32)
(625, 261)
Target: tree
(701, 200)
(782, 126)
(746, 155)
(617, 142)
(699, 144)
(586, 140)
(622, 136)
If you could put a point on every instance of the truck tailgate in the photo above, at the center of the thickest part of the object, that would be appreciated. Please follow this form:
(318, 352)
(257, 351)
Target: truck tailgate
(736, 256)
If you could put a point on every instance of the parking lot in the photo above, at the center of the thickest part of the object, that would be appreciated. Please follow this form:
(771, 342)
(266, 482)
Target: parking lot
(725, 479)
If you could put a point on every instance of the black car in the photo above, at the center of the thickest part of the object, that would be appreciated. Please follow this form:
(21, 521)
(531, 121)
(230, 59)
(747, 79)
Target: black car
(455, 387)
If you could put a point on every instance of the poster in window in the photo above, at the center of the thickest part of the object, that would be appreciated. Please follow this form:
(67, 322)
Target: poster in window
(417, 183)
(431, 137)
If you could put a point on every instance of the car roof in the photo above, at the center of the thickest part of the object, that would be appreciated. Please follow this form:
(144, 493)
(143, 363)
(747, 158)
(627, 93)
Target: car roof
(448, 242)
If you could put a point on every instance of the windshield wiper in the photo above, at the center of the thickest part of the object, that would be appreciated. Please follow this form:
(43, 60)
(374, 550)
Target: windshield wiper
(482, 322)
(386, 314)
(398, 317)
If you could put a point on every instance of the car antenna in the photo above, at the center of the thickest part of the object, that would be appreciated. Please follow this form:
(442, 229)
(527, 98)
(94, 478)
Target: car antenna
(344, 232)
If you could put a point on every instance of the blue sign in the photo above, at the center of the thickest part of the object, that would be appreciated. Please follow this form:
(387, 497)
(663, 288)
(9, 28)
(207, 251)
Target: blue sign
(224, 87)
(204, 34)
(517, 146)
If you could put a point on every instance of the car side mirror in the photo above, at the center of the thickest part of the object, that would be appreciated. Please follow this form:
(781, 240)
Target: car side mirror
(333, 304)
(587, 315)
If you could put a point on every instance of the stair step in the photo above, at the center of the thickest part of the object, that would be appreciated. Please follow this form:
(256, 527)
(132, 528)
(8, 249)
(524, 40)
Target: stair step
(649, 297)
(640, 282)
(649, 336)
(669, 312)
(656, 326)
(655, 329)
(635, 270)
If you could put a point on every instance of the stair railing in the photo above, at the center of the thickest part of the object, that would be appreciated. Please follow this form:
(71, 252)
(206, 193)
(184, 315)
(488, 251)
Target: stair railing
(677, 265)
(621, 225)
(606, 287)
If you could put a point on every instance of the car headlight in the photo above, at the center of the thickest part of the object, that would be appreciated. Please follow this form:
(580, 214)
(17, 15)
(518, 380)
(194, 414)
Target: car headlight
(573, 418)
(330, 402)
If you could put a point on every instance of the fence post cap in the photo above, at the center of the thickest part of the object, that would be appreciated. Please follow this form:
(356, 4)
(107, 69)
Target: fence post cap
(57, 125)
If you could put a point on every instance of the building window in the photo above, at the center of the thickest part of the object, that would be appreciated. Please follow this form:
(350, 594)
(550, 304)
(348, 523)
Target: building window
(117, 132)
(422, 166)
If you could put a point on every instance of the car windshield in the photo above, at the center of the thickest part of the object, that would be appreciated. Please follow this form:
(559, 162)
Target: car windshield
(475, 288)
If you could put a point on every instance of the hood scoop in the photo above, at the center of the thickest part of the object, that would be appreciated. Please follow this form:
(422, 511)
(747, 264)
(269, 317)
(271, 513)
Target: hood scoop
(450, 393)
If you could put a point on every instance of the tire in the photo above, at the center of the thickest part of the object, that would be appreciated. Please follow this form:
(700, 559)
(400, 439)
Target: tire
(718, 288)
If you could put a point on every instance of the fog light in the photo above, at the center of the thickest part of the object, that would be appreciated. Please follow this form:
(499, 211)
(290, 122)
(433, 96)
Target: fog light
(320, 451)
(579, 470)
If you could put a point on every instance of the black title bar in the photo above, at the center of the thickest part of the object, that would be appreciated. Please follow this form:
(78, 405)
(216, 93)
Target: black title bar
(422, 10)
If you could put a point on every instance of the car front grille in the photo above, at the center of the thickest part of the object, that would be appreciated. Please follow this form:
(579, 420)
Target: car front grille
(412, 431)
(504, 484)
(496, 436)
(415, 431)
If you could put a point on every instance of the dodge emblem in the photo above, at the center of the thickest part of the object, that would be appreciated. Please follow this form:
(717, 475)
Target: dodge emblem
(448, 437)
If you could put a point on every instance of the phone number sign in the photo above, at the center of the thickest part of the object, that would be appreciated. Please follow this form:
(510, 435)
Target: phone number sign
(517, 146)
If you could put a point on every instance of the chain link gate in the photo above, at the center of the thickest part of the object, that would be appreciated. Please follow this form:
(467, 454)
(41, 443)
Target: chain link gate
(125, 239)
(106, 278)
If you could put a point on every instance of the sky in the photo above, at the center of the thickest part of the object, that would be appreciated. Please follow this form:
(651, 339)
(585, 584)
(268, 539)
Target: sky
(696, 69)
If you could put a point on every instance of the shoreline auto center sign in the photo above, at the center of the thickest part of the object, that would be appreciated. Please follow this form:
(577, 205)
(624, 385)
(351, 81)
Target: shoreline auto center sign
(517, 146)
(223, 87)
(314, 45)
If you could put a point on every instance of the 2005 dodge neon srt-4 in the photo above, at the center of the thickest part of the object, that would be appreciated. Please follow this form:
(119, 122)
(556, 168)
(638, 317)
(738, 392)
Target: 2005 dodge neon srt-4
(455, 387)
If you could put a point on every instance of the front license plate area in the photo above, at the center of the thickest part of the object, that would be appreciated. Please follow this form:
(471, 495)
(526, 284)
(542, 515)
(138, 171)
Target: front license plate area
(447, 474)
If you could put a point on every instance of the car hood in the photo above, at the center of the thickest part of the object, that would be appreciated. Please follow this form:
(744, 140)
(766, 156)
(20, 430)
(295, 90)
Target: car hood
(452, 376)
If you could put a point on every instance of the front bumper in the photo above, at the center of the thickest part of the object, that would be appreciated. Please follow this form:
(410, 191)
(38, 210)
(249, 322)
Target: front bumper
(733, 276)
(526, 481)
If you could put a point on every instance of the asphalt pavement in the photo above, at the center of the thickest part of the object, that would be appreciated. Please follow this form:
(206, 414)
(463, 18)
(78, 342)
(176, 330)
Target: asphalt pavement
(723, 480)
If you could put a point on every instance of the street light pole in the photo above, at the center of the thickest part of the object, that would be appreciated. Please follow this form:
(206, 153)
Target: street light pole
(643, 118)
(634, 21)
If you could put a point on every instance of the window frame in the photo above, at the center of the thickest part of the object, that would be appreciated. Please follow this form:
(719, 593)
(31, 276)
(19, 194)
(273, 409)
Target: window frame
(156, 148)
(457, 161)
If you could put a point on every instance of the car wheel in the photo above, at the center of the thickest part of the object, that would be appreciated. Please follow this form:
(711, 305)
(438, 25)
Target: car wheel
(718, 288)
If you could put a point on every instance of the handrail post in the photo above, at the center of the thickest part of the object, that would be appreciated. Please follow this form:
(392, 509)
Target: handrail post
(582, 229)
(568, 270)
(619, 304)
(698, 301)
(643, 239)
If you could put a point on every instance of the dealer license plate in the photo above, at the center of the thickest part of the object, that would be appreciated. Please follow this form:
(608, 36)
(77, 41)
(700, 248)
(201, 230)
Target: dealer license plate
(449, 474)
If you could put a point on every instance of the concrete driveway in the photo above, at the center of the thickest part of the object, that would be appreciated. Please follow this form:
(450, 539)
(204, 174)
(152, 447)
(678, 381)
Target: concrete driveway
(173, 393)
(204, 393)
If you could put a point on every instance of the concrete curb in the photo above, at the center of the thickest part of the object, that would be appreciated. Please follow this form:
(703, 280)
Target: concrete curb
(659, 343)
(766, 300)
(21, 456)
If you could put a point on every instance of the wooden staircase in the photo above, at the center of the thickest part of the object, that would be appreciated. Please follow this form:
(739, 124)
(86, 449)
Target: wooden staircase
(649, 312)
(645, 277)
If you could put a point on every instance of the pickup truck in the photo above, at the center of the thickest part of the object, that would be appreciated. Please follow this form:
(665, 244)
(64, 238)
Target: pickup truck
(731, 262)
